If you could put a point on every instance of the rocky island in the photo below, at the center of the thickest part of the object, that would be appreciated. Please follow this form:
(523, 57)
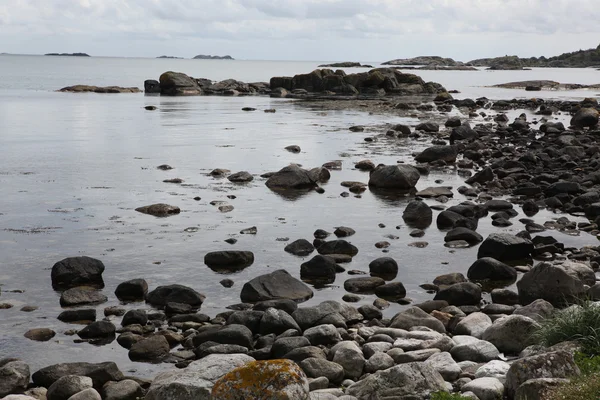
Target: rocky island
(206, 57)
(346, 64)
(68, 54)
(170, 57)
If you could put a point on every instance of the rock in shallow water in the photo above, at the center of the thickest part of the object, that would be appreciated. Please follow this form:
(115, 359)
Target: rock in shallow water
(77, 271)
(162, 295)
(159, 210)
(14, 377)
(228, 261)
(276, 285)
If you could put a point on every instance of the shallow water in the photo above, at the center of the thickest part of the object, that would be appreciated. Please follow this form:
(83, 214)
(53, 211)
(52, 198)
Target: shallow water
(73, 168)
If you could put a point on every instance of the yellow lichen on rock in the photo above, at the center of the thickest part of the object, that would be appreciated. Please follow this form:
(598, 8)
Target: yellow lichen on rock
(263, 380)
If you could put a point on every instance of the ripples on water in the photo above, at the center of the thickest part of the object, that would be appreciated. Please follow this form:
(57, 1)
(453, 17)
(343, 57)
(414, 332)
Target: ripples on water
(74, 167)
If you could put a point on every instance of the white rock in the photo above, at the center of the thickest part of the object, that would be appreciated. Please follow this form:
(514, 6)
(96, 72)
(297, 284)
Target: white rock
(485, 388)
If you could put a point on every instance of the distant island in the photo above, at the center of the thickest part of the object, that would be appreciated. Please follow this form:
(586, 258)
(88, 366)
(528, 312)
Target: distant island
(576, 59)
(205, 57)
(68, 54)
(178, 58)
(347, 64)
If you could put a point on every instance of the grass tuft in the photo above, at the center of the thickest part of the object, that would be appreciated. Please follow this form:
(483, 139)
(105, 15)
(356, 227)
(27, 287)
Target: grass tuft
(582, 388)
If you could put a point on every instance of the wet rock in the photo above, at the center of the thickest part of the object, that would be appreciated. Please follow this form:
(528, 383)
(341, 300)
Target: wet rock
(363, 284)
(417, 380)
(402, 177)
(97, 330)
(277, 322)
(585, 118)
(14, 376)
(365, 165)
(79, 296)
(100, 373)
(448, 219)
(481, 177)
(384, 267)
(551, 283)
(152, 349)
(293, 149)
(414, 316)
(178, 84)
(418, 214)
(84, 315)
(437, 153)
(77, 271)
(343, 231)
(538, 389)
(320, 268)
(289, 306)
(40, 334)
(162, 295)
(276, 379)
(460, 294)
(291, 177)
(228, 261)
(505, 247)
(434, 192)
(430, 127)
(67, 386)
(127, 389)
(392, 291)
(135, 317)
(337, 247)
(276, 285)
(159, 210)
(197, 380)
(488, 268)
(240, 177)
(559, 364)
(505, 296)
(322, 335)
(227, 283)
(465, 234)
(132, 290)
(300, 248)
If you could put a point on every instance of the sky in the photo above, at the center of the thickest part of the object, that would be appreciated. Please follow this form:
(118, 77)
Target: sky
(328, 30)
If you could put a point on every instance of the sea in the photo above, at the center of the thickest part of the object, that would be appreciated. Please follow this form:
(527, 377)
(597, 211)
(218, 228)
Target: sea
(74, 167)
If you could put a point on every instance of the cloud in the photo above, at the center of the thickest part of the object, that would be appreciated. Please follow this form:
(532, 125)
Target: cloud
(252, 22)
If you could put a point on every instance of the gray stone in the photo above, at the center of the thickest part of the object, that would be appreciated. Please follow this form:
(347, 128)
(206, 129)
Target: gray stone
(323, 335)
(14, 377)
(87, 394)
(494, 369)
(352, 360)
(485, 388)
(67, 386)
(445, 365)
(151, 349)
(511, 334)
(77, 271)
(317, 367)
(414, 316)
(276, 285)
(79, 296)
(379, 361)
(124, 390)
(551, 283)
(538, 310)
(401, 177)
(100, 373)
(477, 351)
(537, 389)
(505, 247)
(473, 325)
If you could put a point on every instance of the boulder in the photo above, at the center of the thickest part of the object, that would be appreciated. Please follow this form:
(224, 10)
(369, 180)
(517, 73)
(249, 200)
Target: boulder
(460, 294)
(559, 364)
(228, 261)
(414, 316)
(277, 322)
(291, 177)
(511, 334)
(417, 214)
(445, 365)
(127, 389)
(538, 389)
(493, 369)
(300, 248)
(473, 349)
(384, 267)
(178, 84)
(417, 380)
(466, 234)
(152, 349)
(87, 394)
(132, 290)
(240, 177)
(538, 310)
(339, 246)
(490, 269)
(77, 271)
(505, 247)
(276, 285)
(319, 268)
(551, 283)
(67, 386)
(474, 324)
(197, 380)
(159, 210)
(98, 330)
(352, 360)
(430, 127)
(151, 86)
(392, 291)
(402, 177)
(100, 373)
(162, 295)
(363, 284)
(437, 153)
(228, 334)
(318, 367)
(585, 118)
(40, 334)
(322, 335)
(485, 388)
(79, 296)
(273, 379)
(14, 377)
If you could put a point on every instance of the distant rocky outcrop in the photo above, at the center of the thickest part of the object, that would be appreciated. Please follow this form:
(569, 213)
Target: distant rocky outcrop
(576, 59)
(545, 85)
(99, 89)
(205, 57)
(348, 64)
(178, 58)
(425, 60)
(68, 54)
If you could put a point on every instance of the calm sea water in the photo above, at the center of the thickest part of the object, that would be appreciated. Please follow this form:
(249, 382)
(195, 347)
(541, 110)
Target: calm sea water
(73, 167)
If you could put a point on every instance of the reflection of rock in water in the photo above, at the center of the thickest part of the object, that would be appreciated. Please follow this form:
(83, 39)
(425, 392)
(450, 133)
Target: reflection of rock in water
(393, 197)
(291, 194)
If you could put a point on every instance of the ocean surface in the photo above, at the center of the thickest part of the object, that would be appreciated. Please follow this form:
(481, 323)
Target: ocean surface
(73, 168)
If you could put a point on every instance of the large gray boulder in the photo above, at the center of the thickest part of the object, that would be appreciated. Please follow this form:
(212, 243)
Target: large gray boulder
(414, 316)
(438, 153)
(416, 380)
(14, 377)
(100, 373)
(538, 310)
(474, 324)
(490, 269)
(485, 388)
(318, 367)
(196, 381)
(127, 389)
(537, 389)
(77, 271)
(559, 364)
(460, 294)
(291, 177)
(178, 84)
(67, 386)
(505, 247)
(551, 283)
(472, 349)
(276, 285)
(402, 177)
(445, 365)
(418, 214)
(511, 334)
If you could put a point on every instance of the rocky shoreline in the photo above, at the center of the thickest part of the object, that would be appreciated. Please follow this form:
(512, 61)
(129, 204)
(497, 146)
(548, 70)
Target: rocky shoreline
(473, 337)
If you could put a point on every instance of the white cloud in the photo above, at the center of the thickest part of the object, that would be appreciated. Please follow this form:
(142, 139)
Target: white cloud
(388, 28)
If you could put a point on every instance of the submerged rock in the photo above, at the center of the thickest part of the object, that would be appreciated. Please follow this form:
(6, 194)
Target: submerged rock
(402, 177)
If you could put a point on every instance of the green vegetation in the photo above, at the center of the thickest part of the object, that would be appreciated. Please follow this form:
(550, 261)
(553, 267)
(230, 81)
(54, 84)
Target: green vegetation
(583, 388)
(447, 396)
(580, 324)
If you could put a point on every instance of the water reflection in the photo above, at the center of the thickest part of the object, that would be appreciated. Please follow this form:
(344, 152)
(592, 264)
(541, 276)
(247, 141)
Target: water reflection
(393, 197)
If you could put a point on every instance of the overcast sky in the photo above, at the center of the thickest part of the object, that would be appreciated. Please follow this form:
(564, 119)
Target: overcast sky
(352, 30)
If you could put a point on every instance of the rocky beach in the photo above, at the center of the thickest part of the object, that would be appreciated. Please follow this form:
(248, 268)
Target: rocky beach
(503, 196)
